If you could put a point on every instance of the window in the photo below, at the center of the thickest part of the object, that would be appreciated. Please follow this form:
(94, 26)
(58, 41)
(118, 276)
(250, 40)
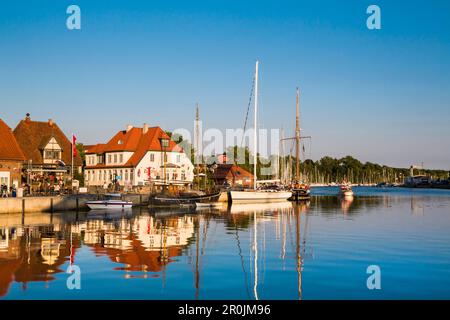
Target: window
(120, 158)
(99, 159)
(126, 175)
(152, 157)
(52, 154)
(109, 158)
(120, 142)
(115, 158)
(178, 158)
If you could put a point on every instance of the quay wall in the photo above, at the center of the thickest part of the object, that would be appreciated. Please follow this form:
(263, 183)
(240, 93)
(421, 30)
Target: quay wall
(58, 203)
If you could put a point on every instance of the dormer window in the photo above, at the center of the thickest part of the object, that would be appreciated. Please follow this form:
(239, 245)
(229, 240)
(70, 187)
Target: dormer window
(52, 154)
(120, 142)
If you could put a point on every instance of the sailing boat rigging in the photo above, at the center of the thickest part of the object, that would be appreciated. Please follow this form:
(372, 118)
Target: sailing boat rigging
(255, 194)
(190, 198)
(300, 189)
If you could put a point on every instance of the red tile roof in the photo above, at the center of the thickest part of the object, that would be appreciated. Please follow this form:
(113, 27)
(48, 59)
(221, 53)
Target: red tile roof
(9, 148)
(135, 140)
(97, 149)
(32, 135)
(223, 170)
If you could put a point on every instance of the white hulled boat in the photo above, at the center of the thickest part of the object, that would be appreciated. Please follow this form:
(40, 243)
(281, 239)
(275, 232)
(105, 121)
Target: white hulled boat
(111, 202)
(255, 195)
(345, 190)
(259, 196)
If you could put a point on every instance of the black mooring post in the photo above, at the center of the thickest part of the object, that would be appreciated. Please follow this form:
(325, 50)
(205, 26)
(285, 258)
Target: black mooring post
(23, 211)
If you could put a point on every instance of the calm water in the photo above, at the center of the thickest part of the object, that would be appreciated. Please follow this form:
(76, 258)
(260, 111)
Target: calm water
(318, 250)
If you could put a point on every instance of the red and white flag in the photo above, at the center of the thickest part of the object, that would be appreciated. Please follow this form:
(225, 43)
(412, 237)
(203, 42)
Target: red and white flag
(74, 146)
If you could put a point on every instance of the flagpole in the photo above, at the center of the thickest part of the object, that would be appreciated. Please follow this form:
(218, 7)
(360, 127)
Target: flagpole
(72, 165)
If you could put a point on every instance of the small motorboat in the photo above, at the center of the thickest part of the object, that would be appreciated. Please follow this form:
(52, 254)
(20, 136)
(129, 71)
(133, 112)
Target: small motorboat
(345, 190)
(110, 202)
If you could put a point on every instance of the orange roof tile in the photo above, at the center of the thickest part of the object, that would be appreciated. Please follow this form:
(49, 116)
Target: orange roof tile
(9, 148)
(98, 148)
(223, 170)
(31, 135)
(134, 140)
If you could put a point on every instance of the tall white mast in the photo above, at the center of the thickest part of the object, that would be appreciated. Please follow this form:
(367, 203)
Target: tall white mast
(255, 133)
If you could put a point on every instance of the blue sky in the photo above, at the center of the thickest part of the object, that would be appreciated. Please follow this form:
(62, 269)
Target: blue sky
(379, 95)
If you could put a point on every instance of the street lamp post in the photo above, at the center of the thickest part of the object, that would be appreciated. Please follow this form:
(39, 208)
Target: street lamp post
(164, 145)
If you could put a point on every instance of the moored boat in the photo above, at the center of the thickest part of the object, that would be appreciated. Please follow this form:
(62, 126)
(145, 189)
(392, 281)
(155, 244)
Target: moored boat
(259, 195)
(300, 192)
(345, 190)
(255, 194)
(111, 202)
(183, 199)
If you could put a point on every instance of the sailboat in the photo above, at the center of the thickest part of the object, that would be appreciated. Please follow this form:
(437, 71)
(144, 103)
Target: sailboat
(345, 189)
(300, 190)
(255, 195)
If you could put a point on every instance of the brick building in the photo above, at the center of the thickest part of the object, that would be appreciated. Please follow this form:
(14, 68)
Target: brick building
(47, 150)
(232, 175)
(11, 158)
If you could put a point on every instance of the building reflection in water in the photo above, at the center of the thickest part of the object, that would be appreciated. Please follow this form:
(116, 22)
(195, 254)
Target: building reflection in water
(35, 252)
(143, 243)
(32, 253)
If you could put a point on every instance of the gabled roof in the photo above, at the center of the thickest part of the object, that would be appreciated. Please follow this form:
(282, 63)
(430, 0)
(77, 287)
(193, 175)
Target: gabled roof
(45, 140)
(135, 140)
(31, 135)
(97, 149)
(223, 170)
(9, 148)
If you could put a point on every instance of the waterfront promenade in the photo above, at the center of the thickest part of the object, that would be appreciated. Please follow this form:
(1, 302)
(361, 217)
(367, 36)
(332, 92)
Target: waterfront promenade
(58, 203)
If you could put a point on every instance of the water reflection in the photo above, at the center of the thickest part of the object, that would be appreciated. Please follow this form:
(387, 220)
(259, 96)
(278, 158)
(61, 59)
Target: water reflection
(36, 251)
(250, 251)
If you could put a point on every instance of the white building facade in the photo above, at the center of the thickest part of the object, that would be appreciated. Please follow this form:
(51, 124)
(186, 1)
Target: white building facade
(135, 157)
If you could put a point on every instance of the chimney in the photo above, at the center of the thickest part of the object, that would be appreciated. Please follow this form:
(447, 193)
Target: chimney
(50, 122)
(129, 127)
(145, 128)
(27, 117)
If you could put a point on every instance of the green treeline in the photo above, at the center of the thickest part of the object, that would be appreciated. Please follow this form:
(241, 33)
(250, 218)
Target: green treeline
(328, 169)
